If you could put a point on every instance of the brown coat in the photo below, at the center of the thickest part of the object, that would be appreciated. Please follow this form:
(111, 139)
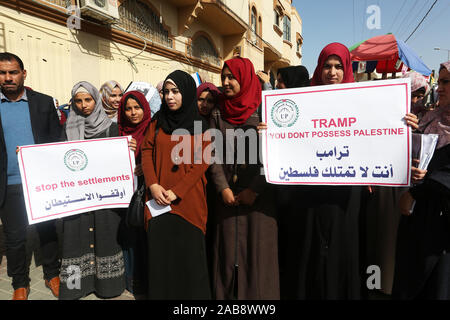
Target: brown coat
(187, 181)
(245, 236)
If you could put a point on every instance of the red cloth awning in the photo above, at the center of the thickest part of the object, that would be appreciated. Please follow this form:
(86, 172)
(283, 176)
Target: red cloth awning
(377, 48)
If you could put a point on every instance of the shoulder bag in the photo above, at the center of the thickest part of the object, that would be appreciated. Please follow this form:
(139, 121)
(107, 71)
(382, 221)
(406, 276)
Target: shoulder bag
(135, 211)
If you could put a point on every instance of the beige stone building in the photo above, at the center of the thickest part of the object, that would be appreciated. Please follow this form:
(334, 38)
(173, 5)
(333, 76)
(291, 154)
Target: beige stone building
(144, 40)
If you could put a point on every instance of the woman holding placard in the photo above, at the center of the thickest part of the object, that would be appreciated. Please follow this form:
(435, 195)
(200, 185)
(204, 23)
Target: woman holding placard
(323, 230)
(90, 239)
(324, 248)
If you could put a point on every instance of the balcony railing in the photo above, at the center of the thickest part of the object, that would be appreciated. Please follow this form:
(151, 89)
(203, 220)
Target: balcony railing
(61, 3)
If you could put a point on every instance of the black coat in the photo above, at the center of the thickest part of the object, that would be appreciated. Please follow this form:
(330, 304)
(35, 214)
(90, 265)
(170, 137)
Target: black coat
(422, 268)
(44, 125)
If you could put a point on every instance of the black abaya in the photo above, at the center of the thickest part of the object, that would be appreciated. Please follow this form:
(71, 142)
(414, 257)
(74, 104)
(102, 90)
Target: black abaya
(423, 245)
(177, 268)
(323, 243)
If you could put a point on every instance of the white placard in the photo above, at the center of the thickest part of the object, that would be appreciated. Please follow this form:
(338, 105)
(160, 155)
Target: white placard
(345, 134)
(68, 178)
(144, 87)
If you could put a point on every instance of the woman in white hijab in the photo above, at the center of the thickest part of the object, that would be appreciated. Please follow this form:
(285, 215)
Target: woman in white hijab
(87, 119)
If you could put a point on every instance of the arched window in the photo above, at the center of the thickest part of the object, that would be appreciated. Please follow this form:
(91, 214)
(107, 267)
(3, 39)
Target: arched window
(255, 25)
(139, 18)
(253, 20)
(203, 49)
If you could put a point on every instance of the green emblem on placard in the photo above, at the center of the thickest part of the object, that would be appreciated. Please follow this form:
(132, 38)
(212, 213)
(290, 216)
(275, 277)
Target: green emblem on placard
(285, 113)
(75, 160)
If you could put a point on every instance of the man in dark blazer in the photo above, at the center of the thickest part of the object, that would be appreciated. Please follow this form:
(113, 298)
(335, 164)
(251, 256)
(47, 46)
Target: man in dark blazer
(26, 117)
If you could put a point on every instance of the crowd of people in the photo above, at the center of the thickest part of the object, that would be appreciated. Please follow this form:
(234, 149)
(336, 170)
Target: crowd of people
(229, 234)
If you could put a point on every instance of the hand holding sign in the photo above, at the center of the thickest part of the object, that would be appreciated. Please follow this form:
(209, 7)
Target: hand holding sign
(78, 179)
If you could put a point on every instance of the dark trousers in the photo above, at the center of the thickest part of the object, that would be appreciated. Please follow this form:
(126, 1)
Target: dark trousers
(15, 222)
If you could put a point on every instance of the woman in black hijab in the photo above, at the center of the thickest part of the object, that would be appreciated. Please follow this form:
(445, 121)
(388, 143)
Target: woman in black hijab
(285, 195)
(184, 117)
(176, 239)
(292, 77)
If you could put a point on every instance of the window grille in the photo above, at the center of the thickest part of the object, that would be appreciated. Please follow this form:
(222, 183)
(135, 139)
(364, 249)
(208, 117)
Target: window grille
(137, 17)
(61, 3)
(203, 49)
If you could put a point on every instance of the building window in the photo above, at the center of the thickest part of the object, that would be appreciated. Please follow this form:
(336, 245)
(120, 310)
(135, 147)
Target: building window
(137, 17)
(253, 26)
(203, 49)
(253, 20)
(276, 17)
(299, 41)
(287, 29)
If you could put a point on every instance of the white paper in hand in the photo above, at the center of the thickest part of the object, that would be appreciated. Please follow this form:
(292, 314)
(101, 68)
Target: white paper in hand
(156, 209)
(429, 142)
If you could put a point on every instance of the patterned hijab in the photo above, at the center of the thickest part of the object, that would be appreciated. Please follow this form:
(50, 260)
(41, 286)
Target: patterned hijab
(432, 123)
(126, 128)
(438, 120)
(417, 81)
(239, 108)
(342, 52)
(445, 65)
(211, 88)
(80, 127)
(105, 91)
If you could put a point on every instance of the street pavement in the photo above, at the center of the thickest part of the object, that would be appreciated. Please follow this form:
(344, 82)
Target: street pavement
(40, 292)
(38, 289)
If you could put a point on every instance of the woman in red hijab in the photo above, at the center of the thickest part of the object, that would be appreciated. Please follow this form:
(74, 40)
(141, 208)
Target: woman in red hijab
(242, 90)
(323, 233)
(324, 240)
(208, 96)
(133, 118)
(245, 259)
(334, 66)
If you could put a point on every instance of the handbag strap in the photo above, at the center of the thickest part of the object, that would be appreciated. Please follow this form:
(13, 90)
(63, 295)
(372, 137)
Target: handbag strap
(154, 147)
(153, 155)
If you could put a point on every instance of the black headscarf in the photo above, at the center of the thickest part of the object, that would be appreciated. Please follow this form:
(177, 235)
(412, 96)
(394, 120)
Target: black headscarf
(295, 76)
(184, 117)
